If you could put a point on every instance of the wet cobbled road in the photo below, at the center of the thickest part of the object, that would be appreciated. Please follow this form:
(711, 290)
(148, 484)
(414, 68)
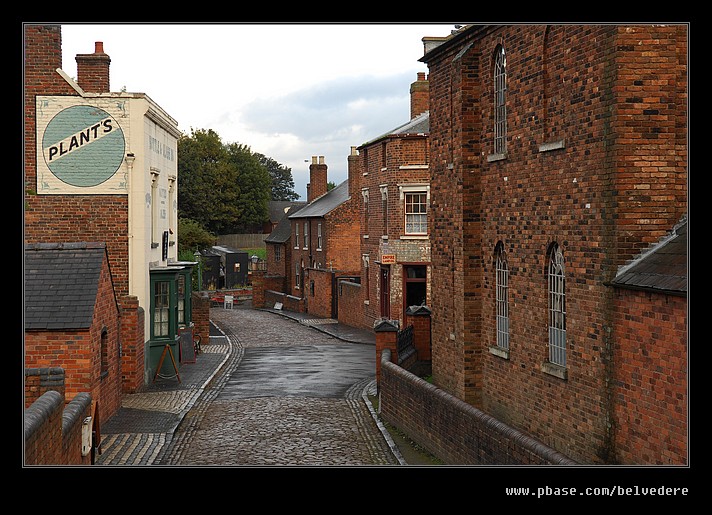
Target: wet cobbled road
(289, 395)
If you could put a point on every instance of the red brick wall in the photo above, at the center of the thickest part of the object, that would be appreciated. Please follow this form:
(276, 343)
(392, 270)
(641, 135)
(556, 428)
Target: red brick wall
(132, 344)
(53, 431)
(651, 379)
(318, 292)
(617, 183)
(351, 305)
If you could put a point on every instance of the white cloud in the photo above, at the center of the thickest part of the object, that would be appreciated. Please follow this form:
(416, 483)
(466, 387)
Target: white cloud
(288, 91)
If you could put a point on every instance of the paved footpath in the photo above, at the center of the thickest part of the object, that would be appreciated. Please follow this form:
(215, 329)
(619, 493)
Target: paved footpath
(279, 399)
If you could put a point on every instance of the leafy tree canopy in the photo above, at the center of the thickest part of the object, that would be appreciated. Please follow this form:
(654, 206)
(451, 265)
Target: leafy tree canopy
(226, 188)
(282, 181)
(192, 237)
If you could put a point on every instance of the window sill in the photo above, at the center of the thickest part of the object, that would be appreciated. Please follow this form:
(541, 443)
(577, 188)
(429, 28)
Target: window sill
(496, 157)
(415, 237)
(555, 370)
(554, 145)
(499, 351)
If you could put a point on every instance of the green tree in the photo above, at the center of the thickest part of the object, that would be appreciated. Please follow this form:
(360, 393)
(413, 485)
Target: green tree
(208, 189)
(192, 236)
(255, 188)
(282, 180)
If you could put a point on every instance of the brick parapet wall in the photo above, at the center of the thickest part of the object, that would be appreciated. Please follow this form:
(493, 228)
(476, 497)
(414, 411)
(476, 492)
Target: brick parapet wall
(53, 432)
(454, 431)
(133, 345)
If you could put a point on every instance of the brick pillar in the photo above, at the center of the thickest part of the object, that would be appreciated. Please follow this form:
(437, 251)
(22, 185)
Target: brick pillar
(386, 338)
(201, 316)
(132, 344)
(419, 318)
(258, 289)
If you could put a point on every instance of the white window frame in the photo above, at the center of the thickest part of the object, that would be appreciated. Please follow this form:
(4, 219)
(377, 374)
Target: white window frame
(306, 235)
(296, 235)
(502, 289)
(500, 101)
(557, 307)
(318, 236)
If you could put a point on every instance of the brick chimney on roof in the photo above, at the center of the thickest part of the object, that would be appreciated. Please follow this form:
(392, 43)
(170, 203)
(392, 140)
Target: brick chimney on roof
(317, 178)
(419, 96)
(93, 70)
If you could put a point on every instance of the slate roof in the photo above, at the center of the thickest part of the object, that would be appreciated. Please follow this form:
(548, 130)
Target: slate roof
(278, 208)
(324, 204)
(663, 268)
(418, 125)
(283, 231)
(61, 284)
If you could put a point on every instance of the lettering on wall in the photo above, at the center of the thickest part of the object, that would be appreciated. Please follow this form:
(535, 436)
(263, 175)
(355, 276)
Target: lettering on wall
(83, 146)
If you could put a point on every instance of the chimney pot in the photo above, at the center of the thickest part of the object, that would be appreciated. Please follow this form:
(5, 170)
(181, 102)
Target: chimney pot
(313, 160)
(321, 160)
(99, 47)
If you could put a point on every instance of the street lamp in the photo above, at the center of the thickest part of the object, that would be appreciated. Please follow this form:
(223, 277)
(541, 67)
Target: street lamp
(197, 255)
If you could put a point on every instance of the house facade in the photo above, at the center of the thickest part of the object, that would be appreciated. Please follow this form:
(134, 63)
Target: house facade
(323, 236)
(395, 202)
(558, 154)
(101, 166)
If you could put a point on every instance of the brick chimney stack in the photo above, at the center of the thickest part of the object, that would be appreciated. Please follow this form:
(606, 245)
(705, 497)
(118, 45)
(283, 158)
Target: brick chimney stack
(317, 178)
(419, 96)
(93, 70)
(354, 172)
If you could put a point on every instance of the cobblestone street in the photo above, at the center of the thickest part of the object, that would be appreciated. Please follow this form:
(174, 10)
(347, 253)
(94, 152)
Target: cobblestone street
(237, 423)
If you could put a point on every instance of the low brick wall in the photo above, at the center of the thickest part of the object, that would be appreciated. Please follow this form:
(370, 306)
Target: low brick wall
(53, 432)
(289, 302)
(452, 430)
(351, 310)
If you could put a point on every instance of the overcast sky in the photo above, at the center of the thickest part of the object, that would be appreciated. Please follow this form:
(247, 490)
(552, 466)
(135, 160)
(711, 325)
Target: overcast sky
(288, 91)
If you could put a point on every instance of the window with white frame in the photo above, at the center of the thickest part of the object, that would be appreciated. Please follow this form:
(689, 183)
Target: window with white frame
(502, 287)
(384, 207)
(297, 275)
(557, 307)
(306, 235)
(296, 235)
(416, 213)
(318, 237)
(500, 101)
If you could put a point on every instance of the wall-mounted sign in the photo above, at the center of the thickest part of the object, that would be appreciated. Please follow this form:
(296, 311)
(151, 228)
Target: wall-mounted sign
(388, 259)
(83, 146)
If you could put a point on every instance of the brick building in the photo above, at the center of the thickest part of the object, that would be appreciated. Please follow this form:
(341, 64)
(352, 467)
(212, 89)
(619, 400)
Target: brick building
(395, 200)
(101, 166)
(323, 236)
(72, 320)
(279, 248)
(558, 155)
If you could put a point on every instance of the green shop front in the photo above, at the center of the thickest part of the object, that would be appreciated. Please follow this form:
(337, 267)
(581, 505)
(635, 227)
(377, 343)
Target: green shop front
(171, 339)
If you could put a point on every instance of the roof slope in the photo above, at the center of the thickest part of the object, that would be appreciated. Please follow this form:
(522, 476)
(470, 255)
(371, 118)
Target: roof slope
(418, 125)
(663, 268)
(324, 204)
(283, 231)
(61, 284)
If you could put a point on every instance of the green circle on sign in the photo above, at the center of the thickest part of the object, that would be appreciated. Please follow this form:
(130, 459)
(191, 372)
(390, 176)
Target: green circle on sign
(83, 146)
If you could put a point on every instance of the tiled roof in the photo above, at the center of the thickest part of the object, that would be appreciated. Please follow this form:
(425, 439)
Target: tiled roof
(283, 231)
(663, 268)
(278, 208)
(418, 125)
(61, 284)
(325, 203)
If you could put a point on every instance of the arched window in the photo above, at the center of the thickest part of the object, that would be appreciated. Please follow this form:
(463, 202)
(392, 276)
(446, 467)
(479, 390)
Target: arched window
(502, 287)
(500, 100)
(557, 307)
